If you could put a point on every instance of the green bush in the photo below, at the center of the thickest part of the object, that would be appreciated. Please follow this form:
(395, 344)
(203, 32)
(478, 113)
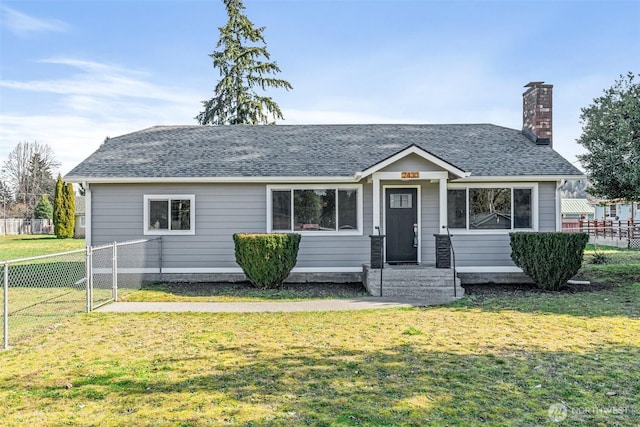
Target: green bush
(599, 258)
(550, 259)
(44, 209)
(266, 259)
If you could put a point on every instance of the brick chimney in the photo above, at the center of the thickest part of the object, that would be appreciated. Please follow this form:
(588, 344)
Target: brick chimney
(537, 113)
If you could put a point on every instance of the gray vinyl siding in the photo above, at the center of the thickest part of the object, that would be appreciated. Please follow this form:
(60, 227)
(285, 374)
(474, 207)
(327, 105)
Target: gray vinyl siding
(547, 206)
(412, 162)
(221, 211)
(430, 222)
(483, 250)
(224, 209)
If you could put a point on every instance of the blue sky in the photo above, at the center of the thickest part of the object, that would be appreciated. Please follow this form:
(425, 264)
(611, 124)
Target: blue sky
(74, 72)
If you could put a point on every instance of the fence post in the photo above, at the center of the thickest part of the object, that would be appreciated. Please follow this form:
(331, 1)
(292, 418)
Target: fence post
(114, 273)
(6, 305)
(88, 260)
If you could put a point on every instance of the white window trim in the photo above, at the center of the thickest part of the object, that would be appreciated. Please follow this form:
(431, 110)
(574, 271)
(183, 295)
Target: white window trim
(357, 187)
(192, 214)
(519, 185)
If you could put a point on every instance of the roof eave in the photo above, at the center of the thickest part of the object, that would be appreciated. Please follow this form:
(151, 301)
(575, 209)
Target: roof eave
(520, 178)
(206, 180)
(414, 149)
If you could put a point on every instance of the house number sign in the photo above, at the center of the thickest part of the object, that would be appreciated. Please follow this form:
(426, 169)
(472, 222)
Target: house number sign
(409, 175)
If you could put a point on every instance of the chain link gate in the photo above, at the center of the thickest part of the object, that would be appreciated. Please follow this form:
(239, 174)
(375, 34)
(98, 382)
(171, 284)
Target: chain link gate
(40, 292)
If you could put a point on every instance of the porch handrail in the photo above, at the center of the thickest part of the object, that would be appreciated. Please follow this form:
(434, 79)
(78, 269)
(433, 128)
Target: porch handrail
(453, 262)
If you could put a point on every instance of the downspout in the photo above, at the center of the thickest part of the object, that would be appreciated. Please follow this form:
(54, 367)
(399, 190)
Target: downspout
(559, 186)
(87, 213)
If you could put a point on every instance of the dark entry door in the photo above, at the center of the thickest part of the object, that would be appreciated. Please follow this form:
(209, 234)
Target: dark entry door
(401, 218)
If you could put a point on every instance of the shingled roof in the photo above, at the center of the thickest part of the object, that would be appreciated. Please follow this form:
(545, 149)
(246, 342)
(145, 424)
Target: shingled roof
(313, 151)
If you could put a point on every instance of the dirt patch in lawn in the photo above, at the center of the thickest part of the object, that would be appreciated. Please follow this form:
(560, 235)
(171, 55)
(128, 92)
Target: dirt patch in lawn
(524, 289)
(245, 289)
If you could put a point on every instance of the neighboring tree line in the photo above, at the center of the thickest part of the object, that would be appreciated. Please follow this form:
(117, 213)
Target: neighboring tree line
(28, 189)
(575, 190)
(27, 175)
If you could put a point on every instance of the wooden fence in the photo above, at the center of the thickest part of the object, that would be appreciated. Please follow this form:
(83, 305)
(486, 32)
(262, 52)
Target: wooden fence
(25, 226)
(616, 233)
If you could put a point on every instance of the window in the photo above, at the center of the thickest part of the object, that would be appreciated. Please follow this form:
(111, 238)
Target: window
(400, 201)
(169, 214)
(490, 208)
(82, 222)
(522, 212)
(315, 209)
(457, 208)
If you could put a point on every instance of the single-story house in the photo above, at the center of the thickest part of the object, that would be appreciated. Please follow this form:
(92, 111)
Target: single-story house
(335, 185)
(617, 210)
(577, 209)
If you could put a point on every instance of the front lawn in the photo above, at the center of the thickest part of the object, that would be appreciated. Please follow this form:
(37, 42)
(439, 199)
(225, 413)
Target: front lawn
(442, 366)
(504, 363)
(28, 245)
(525, 360)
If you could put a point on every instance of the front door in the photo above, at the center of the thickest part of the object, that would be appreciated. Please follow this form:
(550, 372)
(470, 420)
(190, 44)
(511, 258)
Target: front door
(401, 224)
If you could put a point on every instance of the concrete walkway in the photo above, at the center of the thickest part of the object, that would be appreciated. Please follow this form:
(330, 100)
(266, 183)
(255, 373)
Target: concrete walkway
(365, 303)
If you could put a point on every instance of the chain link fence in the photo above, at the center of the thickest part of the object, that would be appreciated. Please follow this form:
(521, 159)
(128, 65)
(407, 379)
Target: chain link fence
(40, 292)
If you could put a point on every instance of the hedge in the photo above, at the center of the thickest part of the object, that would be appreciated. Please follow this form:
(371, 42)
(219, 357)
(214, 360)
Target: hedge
(550, 259)
(266, 259)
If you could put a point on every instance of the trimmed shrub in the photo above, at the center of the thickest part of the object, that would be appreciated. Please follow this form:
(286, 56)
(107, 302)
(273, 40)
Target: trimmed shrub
(550, 259)
(266, 259)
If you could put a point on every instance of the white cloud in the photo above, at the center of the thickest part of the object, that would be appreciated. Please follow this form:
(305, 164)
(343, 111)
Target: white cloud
(96, 79)
(24, 25)
(94, 101)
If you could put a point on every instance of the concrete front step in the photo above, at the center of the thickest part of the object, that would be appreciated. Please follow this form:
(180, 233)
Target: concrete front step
(427, 284)
(424, 301)
(433, 292)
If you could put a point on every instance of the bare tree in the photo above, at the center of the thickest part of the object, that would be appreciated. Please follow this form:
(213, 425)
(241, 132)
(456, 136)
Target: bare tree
(29, 171)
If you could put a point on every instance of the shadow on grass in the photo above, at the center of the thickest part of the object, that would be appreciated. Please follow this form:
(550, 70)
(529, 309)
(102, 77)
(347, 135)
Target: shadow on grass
(398, 385)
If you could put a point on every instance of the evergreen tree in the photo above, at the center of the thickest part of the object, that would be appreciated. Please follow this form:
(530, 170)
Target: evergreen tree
(41, 178)
(61, 226)
(611, 134)
(70, 209)
(242, 71)
(58, 208)
(44, 209)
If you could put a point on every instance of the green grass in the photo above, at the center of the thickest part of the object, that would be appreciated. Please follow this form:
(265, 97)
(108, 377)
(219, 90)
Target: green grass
(440, 366)
(500, 362)
(621, 298)
(27, 245)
